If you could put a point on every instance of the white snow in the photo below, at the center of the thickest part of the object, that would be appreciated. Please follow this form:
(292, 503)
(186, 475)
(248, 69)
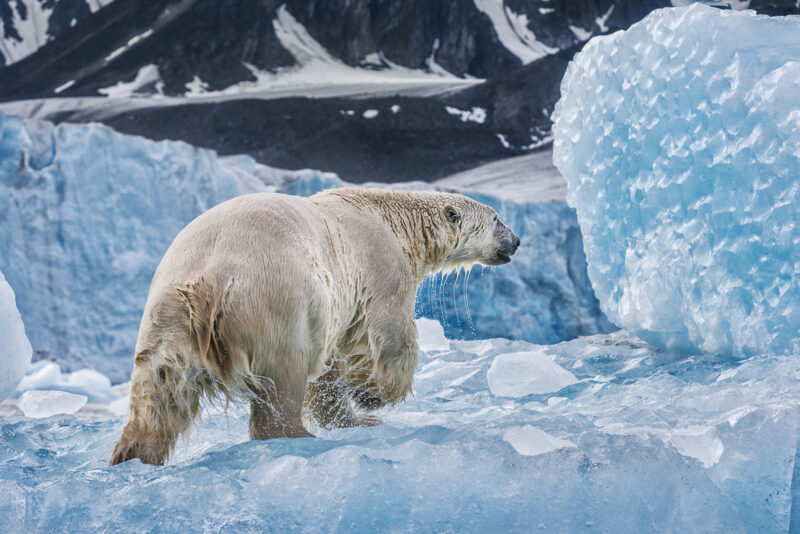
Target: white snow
(395, 109)
(370, 114)
(38, 404)
(64, 86)
(530, 441)
(519, 374)
(546, 10)
(15, 349)
(95, 5)
(580, 33)
(196, 87)
(32, 29)
(513, 32)
(132, 41)
(504, 141)
(316, 66)
(475, 114)
(146, 75)
(601, 21)
(431, 64)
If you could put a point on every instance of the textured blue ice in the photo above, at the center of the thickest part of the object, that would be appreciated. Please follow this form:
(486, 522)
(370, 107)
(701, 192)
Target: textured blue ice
(645, 441)
(680, 140)
(86, 214)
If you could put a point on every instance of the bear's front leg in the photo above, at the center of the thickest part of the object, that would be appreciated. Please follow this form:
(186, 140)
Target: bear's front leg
(329, 400)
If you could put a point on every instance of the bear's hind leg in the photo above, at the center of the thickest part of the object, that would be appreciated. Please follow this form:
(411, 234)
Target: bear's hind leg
(328, 399)
(276, 410)
(164, 404)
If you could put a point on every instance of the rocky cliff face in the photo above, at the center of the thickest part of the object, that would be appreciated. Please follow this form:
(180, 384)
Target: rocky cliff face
(242, 60)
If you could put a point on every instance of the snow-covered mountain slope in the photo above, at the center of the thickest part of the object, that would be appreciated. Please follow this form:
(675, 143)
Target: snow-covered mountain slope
(206, 54)
(27, 25)
(89, 212)
(198, 46)
(603, 434)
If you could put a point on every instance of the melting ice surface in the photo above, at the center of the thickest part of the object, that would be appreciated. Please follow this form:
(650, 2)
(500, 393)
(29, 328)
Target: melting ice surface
(640, 440)
(680, 142)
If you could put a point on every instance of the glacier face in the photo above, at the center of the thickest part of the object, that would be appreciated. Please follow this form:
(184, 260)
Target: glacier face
(680, 142)
(87, 214)
(623, 437)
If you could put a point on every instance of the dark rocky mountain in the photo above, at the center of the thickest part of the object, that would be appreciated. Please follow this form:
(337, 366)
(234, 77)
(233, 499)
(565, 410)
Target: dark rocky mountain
(256, 69)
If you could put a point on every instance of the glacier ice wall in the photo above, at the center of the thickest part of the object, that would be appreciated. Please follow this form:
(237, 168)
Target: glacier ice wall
(15, 349)
(680, 142)
(85, 216)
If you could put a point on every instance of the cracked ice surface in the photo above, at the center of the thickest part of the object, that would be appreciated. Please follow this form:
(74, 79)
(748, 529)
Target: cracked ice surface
(641, 440)
(680, 142)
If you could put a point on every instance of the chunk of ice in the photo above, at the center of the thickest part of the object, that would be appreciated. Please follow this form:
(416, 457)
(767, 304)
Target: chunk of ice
(15, 349)
(527, 373)
(431, 335)
(38, 404)
(680, 142)
(530, 441)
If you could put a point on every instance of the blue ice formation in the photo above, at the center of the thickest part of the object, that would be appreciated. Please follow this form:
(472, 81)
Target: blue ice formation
(680, 141)
(86, 214)
(15, 349)
(599, 434)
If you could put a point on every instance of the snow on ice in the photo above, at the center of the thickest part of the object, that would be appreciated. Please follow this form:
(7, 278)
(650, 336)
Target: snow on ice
(680, 142)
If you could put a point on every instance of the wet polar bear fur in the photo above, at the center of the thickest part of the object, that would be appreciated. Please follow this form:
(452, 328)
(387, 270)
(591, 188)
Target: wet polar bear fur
(291, 302)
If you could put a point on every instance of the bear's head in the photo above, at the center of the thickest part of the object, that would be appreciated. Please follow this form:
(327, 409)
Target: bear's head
(478, 235)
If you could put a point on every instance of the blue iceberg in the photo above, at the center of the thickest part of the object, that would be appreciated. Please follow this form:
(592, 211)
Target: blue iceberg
(680, 141)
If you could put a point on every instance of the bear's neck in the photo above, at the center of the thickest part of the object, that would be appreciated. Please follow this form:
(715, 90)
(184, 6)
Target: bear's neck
(418, 222)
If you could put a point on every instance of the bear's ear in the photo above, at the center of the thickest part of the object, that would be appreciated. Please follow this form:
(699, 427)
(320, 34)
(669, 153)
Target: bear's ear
(452, 214)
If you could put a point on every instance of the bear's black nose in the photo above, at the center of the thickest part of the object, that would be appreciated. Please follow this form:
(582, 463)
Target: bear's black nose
(516, 243)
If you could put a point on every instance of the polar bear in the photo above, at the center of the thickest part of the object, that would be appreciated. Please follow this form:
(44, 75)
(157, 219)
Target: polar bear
(291, 302)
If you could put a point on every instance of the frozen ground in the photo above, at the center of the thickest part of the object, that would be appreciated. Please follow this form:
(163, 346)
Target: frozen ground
(602, 434)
